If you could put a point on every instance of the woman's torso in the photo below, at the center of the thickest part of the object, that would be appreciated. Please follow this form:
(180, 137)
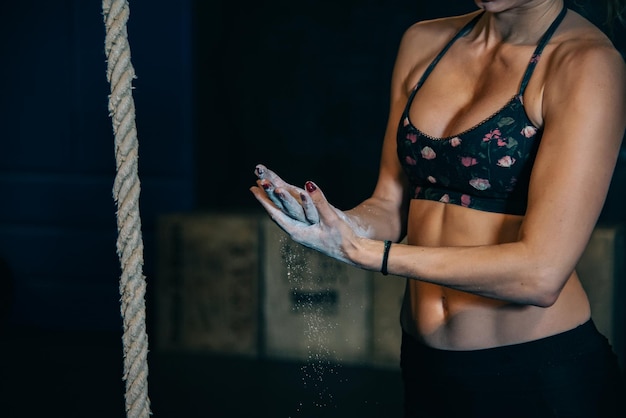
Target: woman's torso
(443, 317)
(451, 319)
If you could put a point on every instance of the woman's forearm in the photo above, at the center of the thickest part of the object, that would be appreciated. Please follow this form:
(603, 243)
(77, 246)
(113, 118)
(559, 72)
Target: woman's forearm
(512, 271)
(379, 219)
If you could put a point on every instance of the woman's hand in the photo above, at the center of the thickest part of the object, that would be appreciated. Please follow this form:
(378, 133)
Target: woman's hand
(285, 196)
(305, 215)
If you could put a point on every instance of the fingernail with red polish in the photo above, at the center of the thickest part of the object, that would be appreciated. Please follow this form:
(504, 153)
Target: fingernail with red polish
(266, 186)
(310, 187)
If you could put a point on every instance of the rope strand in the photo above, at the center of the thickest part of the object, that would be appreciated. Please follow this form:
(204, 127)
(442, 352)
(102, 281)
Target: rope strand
(126, 189)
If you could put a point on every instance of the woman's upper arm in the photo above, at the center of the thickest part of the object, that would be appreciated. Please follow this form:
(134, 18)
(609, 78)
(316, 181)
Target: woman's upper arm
(584, 113)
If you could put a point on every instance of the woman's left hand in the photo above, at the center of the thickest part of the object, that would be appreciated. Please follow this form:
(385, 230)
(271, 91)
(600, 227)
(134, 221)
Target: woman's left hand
(305, 215)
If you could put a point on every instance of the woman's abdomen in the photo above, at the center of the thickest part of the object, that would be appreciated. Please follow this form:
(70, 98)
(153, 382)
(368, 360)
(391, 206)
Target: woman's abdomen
(451, 319)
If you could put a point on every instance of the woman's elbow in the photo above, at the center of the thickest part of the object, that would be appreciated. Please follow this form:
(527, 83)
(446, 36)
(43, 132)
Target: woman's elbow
(546, 287)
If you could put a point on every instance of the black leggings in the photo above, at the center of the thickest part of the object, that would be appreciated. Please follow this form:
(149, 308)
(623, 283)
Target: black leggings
(572, 374)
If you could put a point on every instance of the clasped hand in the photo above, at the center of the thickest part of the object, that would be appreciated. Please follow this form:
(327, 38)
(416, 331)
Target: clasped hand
(305, 215)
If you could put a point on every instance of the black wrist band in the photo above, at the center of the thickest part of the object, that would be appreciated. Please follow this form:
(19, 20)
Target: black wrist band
(383, 268)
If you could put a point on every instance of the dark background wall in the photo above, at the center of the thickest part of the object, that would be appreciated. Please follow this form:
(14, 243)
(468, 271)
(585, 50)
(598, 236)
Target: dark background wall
(300, 86)
(57, 215)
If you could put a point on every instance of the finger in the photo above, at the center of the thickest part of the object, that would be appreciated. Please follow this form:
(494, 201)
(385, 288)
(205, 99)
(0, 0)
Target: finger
(265, 173)
(290, 193)
(283, 201)
(324, 209)
(260, 170)
(310, 211)
(286, 223)
(262, 196)
(290, 205)
(270, 192)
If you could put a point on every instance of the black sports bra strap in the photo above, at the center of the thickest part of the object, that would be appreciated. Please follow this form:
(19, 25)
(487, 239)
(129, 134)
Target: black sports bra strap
(464, 31)
(540, 46)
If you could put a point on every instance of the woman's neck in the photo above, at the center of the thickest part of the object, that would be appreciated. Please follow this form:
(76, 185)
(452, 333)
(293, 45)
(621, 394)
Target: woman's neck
(524, 24)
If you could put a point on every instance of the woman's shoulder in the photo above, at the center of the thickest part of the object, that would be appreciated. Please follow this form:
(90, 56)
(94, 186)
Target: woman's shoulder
(436, 31)
(422, 41)
(580, 39)
(584, 70)
(583, 51)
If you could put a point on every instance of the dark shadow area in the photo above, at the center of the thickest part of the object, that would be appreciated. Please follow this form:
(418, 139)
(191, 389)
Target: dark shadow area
(301, 87)
(76, 375)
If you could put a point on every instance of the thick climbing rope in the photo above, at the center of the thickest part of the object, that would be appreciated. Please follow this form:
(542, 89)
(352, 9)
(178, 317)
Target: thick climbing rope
(120, 74)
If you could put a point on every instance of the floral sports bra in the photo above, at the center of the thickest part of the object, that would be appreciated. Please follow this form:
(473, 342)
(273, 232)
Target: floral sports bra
(488, 166)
